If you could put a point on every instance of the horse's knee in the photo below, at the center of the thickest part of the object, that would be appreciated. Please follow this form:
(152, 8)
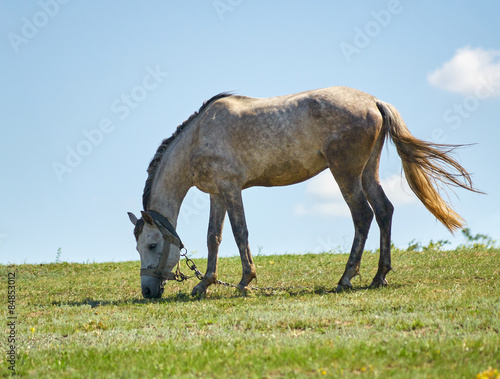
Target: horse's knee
(214, 239)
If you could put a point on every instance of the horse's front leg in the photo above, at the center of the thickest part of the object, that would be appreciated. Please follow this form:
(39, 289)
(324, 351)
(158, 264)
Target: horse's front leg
(234, 205)
(214, 238)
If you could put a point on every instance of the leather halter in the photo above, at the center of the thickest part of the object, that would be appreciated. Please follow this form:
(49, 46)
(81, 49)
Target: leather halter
(171, 237)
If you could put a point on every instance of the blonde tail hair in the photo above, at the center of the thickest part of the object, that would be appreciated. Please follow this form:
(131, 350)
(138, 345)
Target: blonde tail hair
(427, 165)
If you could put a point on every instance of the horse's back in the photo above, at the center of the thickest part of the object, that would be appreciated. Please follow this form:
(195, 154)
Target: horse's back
(280, 140)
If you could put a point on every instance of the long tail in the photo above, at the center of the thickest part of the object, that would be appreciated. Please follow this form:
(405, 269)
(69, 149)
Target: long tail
(427, 165)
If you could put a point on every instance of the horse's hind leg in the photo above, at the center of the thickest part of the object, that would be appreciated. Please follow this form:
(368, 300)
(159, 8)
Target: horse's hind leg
(362, 215)
(214, 237)
(347, 154)
(383, 212)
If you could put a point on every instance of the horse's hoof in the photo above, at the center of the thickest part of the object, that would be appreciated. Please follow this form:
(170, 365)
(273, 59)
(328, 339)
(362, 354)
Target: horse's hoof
(199, 291)
(346, 286)
(245, 281)
(242, 288)
(378, 283)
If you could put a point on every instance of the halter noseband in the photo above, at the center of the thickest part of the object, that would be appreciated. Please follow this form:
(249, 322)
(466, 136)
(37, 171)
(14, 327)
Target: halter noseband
(169, 235)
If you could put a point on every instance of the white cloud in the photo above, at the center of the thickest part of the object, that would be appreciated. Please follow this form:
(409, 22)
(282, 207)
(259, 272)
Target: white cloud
(323, 208)
(397, 190)
(324, 187)
(325, 198)
(469, 71)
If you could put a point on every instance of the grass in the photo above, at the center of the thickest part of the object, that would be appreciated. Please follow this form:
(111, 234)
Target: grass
(438, 318)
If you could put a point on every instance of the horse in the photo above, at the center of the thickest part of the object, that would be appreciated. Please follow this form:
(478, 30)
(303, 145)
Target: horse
(235, 142)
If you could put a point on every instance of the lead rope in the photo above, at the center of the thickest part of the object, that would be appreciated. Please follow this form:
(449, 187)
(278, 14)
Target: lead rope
(180, 277)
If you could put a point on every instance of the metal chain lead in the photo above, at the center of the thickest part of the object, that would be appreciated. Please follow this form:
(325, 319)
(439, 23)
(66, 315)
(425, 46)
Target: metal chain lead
(180, 277)
(192, 267)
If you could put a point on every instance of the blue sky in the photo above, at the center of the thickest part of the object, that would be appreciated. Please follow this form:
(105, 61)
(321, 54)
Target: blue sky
(89, 89)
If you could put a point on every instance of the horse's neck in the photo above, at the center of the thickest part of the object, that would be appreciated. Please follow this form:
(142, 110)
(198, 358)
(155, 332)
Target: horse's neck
(170, 186)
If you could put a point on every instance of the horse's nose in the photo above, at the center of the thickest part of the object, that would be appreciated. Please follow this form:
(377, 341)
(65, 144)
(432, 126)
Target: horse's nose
(152, 287)
(146, 292)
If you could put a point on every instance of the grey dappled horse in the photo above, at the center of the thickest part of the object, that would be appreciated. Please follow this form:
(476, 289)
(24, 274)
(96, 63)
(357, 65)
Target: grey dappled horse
(236, 142)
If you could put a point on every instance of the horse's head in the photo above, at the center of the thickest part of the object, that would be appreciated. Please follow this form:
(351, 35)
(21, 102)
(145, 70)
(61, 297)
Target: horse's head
(158, 251)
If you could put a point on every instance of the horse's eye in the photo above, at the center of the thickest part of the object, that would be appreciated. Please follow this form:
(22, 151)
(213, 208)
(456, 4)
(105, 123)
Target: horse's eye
(152, 246)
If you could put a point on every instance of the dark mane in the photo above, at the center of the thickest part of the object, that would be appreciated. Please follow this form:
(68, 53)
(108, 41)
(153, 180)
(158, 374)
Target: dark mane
(153, 165)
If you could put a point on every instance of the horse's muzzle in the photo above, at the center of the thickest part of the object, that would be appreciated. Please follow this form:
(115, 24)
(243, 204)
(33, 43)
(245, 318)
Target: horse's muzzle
(152, 287)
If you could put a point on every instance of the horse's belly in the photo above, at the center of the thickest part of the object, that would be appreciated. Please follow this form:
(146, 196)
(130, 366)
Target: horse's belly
(283, 172)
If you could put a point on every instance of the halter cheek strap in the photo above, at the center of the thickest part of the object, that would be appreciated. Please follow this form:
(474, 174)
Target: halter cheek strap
(162, 221)
(171, 237)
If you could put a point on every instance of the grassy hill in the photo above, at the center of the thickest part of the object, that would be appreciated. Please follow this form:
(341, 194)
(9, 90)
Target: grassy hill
(439, 317)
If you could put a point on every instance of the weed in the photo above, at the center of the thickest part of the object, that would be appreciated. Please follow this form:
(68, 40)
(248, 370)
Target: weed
(479, 240)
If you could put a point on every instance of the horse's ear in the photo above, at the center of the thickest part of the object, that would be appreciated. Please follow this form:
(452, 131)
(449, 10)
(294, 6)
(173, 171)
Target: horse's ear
(147, 218)
(132, 218)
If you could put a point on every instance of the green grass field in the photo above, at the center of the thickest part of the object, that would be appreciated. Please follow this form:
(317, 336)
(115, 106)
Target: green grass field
(438, 318)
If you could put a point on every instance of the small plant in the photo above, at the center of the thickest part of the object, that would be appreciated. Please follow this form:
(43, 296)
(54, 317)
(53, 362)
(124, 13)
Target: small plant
(58, 256)
(94, 325)
(435, 245)
(478, 241)
(414, 246)
(490, 373)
